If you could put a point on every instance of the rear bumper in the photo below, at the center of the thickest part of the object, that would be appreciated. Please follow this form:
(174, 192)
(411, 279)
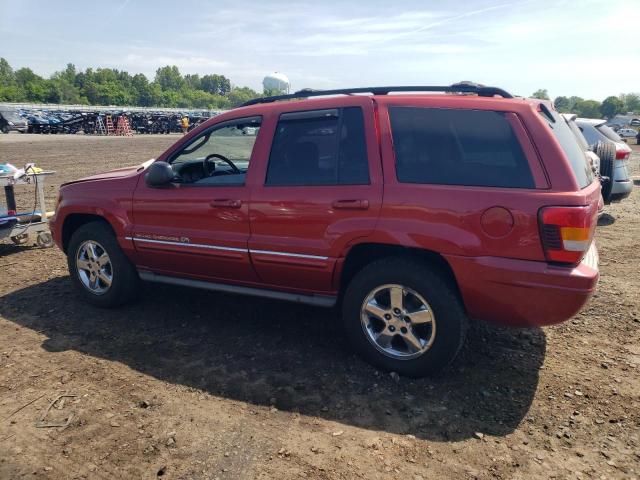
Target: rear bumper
(524, 293)
(621, 189)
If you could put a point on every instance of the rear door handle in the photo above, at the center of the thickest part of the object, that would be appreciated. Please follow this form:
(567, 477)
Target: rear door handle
(226, 203)
(351, 204)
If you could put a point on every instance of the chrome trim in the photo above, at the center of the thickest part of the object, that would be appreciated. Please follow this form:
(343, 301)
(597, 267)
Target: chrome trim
(286, 254)
(317, 300)
(184, 244)
(228, 249)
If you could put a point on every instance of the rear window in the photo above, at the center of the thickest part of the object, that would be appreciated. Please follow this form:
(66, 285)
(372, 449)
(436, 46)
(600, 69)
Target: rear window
(457, 147)
(576, 155)
(591, 133)
(609, 133)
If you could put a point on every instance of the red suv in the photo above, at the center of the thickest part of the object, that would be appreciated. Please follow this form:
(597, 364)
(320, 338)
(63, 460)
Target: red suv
(413, 212)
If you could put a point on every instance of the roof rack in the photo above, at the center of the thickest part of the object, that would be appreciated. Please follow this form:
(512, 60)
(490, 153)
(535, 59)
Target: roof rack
(463, 87)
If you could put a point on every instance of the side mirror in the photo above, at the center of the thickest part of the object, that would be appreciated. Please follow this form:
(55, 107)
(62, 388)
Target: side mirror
(159, 174)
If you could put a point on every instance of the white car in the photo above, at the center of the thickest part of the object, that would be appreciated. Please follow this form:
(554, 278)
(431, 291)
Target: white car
(627, 133)
(594, 160)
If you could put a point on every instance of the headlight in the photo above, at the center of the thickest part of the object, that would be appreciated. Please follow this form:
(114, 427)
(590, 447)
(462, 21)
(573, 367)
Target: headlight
(10, 123)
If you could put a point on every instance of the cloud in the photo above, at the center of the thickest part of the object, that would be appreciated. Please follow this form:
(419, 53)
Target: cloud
(185, 63)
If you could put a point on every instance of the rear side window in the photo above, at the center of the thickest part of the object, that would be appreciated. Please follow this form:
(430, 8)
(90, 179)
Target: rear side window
(578, 134)
(457, 147)
(319, 147)
(576, 155)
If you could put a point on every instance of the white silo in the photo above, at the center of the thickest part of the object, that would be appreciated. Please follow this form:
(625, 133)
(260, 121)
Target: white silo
(276, 81)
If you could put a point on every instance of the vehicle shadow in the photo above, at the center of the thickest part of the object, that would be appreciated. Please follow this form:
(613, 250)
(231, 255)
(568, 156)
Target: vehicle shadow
(7, 249)
(267, 352)
(606, 219)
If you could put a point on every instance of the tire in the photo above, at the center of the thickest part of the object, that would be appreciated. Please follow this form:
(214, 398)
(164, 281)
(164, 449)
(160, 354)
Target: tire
(5, 129)
(418, 280)
(124, 280)
(607, 153)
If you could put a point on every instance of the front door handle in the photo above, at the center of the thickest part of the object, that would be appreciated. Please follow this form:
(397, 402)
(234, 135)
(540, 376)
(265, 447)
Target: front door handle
(226, 203)
(351, 204)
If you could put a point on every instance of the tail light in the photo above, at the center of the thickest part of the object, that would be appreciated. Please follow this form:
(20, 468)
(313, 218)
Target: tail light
(622, 154)
(567, 232)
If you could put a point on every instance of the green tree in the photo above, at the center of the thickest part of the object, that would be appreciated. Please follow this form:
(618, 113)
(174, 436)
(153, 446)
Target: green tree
(562, 104)
(541, 93)
(193, 81)
(7, 77)
(239, 95)
(587, 108)
(611, 106)
(631, 102)
(216, 84)
(169, 78)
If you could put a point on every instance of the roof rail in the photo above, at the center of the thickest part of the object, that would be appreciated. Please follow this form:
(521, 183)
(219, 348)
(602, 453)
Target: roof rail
(463, 87)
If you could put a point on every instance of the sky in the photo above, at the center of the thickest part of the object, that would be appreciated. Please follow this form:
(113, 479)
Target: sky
(589, 48)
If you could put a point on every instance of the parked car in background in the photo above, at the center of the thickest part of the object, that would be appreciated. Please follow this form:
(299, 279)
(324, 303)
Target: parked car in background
(489, 212)
(627, 133)
(594, 159)
(11, 121)
(614, 156)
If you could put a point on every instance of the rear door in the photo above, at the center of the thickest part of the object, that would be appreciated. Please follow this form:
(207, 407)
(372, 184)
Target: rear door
(322, 190)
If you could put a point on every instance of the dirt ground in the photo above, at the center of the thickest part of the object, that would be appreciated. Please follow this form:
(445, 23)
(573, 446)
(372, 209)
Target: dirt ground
(187, 384)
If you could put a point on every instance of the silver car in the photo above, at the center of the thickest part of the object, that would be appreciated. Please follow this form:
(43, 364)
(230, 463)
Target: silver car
(627, 133)
(595, 131)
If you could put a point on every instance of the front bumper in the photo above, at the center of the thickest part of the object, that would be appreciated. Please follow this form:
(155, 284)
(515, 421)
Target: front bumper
(524, 293)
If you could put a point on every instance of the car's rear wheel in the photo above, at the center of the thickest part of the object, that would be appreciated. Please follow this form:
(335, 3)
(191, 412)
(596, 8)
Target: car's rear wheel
(99, 268)
(401, 315)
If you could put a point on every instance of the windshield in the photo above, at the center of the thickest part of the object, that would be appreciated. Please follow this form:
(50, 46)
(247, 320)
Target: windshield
(11, 116)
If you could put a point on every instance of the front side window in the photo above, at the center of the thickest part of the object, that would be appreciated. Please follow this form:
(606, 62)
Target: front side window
(320, 147)
(218, 156)
(457, 147)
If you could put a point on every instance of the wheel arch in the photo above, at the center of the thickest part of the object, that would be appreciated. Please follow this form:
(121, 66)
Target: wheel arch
(363, 254)
(74, 221)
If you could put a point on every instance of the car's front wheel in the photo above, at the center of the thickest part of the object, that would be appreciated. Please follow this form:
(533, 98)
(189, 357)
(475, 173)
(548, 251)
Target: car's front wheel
(403, 316)
(99, 268)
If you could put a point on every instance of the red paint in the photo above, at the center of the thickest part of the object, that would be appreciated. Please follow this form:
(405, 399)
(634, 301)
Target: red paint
(490, 237)
(496, 222)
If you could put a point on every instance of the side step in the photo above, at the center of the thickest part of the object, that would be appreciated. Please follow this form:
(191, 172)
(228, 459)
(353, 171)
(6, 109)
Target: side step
(316, 300)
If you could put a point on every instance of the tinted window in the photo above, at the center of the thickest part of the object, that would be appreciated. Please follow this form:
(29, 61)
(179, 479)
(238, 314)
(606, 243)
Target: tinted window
(591, 134)
(578, 134)
(609, 133)
(324, 147)
(577, 157)
(457, 147)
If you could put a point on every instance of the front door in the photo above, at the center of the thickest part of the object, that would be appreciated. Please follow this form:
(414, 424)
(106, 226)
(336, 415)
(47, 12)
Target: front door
(198, 226)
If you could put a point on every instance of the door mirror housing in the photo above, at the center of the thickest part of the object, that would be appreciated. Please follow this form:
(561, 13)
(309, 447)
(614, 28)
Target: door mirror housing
(159, 174)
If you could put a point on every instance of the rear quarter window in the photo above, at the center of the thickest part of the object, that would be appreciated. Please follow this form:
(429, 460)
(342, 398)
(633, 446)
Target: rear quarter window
(457, 147)
(576, 155)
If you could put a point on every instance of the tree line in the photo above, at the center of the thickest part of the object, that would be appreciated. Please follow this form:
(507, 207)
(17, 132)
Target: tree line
(169, 88)
(608, 108)
(110, 86)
